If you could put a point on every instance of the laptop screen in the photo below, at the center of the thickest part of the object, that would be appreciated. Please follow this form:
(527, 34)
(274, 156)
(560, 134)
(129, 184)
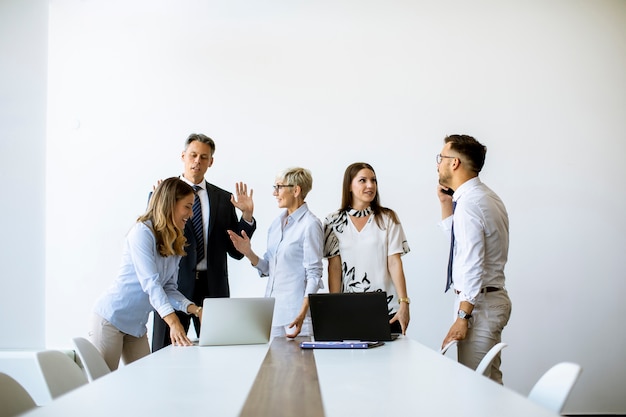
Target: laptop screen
(236, 321)
(350, 316)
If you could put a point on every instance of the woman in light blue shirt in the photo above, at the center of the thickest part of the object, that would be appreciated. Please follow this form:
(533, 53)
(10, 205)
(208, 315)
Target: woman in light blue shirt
(293, 260)
(147, 279)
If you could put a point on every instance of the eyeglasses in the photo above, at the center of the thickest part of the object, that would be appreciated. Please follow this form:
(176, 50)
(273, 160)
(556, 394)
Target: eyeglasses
(440, 157)
(277, 187)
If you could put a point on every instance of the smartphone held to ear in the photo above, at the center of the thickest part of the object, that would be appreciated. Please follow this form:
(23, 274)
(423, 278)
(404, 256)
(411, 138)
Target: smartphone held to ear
(449, 191)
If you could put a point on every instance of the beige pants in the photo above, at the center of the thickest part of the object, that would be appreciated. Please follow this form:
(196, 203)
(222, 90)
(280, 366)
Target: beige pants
(113, 344)
(491, 313)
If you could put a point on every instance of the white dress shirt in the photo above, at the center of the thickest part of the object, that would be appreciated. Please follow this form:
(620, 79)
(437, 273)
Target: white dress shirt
(481, 239)
(203, 195)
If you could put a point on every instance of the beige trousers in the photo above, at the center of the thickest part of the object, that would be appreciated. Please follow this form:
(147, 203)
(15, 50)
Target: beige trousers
(491, 313)
(113, 344)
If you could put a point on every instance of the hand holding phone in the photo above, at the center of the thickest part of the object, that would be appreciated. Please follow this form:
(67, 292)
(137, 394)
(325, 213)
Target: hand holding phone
(449, 191)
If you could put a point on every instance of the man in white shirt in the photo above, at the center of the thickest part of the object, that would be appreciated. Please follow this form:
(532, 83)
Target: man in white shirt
(478, 223)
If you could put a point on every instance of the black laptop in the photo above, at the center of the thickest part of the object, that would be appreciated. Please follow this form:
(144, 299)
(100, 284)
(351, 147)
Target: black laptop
(339, 317)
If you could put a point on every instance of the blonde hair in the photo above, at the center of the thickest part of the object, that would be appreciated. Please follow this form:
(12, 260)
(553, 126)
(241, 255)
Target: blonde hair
(170, 239)
(298, 176)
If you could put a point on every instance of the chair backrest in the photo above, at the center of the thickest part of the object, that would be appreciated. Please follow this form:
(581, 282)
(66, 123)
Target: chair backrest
(13, 397)
(60, 373)
(486, 361)
(553, 388)
(447, 346)
(90, 357)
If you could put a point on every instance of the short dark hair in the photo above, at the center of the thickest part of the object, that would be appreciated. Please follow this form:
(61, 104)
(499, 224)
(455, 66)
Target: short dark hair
(200, 138)
(473, 151)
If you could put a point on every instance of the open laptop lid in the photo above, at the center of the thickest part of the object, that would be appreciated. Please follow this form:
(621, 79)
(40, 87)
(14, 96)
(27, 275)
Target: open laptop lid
(350, 316)
(236, 321)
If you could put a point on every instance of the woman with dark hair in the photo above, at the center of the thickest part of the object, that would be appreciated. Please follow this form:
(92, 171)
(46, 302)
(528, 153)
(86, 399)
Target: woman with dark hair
(364, 242)
(147, 279)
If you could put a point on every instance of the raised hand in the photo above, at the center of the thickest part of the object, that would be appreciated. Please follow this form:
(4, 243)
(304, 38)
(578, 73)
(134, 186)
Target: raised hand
(243, 201)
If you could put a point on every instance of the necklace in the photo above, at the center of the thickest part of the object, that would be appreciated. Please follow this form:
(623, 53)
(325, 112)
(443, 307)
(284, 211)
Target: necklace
(360, 213)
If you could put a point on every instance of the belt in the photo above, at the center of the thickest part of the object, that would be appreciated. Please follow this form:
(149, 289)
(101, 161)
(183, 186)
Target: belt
(201, 274)
(483, 290)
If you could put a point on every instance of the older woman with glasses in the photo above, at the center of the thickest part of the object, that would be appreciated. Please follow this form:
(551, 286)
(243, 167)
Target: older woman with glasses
(364, 242)
(293, 260)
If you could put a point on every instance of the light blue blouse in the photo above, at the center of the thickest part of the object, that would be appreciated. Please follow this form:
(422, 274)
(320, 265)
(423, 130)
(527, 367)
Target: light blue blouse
(146, 280)
(293, 262)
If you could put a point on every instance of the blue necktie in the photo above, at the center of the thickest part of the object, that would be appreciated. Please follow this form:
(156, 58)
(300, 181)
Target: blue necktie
(449, 280)
(198, 228)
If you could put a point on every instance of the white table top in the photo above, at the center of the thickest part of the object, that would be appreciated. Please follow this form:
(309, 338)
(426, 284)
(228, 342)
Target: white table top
(175, 381)
(401, 376)
(406, 376)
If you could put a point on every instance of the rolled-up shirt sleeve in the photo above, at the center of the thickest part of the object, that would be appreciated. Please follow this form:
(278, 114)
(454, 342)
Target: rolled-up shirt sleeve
(469, 255)
(263, 266)
(469, 249)
(446, 225)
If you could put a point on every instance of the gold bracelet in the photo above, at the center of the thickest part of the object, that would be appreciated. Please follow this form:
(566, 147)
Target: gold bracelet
(197, 313)
(404, 300)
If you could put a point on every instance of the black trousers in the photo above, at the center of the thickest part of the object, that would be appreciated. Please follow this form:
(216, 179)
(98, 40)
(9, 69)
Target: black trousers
(160, 329)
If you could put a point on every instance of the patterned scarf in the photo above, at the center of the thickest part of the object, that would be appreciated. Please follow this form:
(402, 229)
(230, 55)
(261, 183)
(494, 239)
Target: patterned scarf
(360, 213)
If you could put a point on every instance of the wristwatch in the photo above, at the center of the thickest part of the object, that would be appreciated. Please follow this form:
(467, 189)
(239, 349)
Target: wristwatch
(464, 315)
(404, 300)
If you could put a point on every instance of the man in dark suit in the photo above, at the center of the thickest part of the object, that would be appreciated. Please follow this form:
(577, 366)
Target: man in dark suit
(204, 272)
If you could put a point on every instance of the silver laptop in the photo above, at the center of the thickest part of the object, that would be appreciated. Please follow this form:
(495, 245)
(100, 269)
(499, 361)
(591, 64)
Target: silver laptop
(236, 321)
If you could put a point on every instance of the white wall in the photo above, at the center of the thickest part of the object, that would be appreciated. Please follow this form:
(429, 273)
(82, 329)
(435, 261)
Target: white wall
(23, 75)
(322, 84)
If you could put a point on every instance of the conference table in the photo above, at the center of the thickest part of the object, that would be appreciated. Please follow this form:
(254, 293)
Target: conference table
(402, 377)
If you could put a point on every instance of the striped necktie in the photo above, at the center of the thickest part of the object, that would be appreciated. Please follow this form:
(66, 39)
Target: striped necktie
(198, 227)
(449, 280)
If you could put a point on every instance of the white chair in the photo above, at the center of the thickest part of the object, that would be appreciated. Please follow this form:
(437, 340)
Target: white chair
(90, 357)
(486, 361)
(447, 346)
(60, 373)
(13, 397)
(553, 388)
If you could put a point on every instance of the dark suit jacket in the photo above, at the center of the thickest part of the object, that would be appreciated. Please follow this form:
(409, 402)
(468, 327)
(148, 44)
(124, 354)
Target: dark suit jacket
(222, 217)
